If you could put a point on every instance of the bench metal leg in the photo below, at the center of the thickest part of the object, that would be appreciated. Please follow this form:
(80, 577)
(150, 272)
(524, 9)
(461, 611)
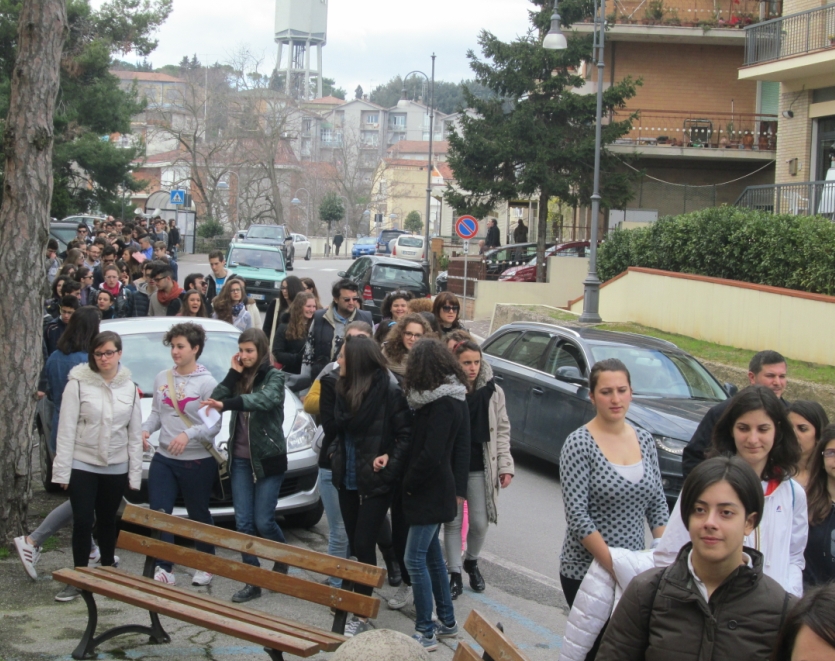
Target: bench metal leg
(275, 655)
(86, 648)
(486, 656)
(341, 617)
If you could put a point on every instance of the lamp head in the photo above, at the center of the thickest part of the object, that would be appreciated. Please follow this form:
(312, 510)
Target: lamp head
(295, 201)
(555, 39)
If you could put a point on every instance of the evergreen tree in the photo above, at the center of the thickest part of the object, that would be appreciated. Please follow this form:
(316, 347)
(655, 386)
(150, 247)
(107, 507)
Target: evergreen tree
(329, 88)
(535, 135)
(413, 223)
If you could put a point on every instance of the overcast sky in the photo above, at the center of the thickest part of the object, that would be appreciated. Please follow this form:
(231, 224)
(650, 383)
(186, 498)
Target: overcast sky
(369, 41)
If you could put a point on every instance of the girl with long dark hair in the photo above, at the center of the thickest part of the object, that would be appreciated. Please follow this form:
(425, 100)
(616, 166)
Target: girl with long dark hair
(755, 427)
(278, 311)
(194, 305)
(446, 309)
(808, 420)
(820, 493)
(401, 338)
(310, 286)
(372, 422)
(253, 391)
(435, 481)
(291, 336)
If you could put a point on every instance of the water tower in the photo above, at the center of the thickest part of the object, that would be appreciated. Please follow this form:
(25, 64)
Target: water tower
(299, 26)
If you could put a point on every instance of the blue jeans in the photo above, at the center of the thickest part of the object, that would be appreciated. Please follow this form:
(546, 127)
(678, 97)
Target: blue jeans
(427, 570)
(254, 504)
(194, 479)
(337, 537)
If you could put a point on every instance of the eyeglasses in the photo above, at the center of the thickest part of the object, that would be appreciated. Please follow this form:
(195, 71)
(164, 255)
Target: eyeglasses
(234, 291)
(355, 299)
(413, 335)
(828, 454)
(105, 354)
(450, 308)
(202, 283)
(160, 278)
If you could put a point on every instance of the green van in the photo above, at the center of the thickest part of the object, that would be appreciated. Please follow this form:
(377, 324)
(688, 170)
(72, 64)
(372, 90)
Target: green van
(262, 268)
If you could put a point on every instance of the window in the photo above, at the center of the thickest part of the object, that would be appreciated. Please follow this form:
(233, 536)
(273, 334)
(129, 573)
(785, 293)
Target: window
(397, 121)
(396, 275)
(326, 135)
(500, 345)
(566, 355)
(529, 350)
(372, 119)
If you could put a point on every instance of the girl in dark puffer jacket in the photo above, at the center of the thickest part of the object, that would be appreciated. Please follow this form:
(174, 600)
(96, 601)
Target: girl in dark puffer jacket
(373, 427)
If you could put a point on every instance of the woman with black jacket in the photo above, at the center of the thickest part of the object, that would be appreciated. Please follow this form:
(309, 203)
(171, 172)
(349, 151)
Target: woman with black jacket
(278, 310)
(291, 336)
(373, 425)
(435, 481)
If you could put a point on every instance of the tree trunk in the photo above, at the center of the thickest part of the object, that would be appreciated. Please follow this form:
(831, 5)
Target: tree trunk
(24, 229)
(541, 230)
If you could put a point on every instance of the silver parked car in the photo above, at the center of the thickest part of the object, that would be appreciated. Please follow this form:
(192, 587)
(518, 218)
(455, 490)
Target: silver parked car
(144, 354)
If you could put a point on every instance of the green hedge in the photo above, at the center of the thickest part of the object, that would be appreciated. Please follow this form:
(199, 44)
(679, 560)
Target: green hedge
(795, 252)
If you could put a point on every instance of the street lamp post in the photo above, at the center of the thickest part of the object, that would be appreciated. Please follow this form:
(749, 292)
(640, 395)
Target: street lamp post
(431, 109)
(296, 202)
(222, 185)
(555, 40)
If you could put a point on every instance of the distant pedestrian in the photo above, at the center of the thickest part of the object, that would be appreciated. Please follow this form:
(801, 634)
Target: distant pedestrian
(520, 233)
(173, 238)
(52, 263)
(493, 239)
(337, 242)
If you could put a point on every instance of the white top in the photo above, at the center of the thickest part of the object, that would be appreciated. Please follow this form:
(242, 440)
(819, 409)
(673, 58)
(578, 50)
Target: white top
(634, 473)
(780, 537)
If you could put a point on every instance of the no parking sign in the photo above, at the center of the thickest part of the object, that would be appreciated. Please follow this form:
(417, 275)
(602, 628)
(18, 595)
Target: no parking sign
(466, 227)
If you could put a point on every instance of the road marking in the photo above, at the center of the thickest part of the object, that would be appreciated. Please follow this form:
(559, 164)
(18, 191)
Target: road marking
(553, 639)
(519, 569)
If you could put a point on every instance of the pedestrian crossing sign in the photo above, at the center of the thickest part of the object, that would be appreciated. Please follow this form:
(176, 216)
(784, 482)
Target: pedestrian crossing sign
(178, 197)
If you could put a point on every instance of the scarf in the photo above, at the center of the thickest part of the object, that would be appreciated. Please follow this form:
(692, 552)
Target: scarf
(357, 422)
(173, 293)
(452, 388)
(115, 291)
(236, 309)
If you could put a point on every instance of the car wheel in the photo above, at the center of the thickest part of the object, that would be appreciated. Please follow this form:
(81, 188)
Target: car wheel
(308, 255)
(45, 462)
(306, 519)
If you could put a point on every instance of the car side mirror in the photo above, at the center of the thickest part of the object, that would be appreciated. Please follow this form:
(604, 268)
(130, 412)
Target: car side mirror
(731, 389)
(342, 274)
(241, 235)
(571, 374)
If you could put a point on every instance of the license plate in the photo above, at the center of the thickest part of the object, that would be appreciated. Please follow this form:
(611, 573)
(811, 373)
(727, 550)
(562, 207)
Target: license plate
(257, 297)
(409, 252)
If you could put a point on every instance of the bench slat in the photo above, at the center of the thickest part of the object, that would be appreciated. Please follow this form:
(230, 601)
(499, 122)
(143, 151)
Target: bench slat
(321, 563)
(238, 571)
(494, 642)
(202, 618)
(465, 653)
(328, 640)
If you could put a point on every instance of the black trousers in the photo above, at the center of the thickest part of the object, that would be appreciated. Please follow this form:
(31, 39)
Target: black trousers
(570, 588)
(363, 521)
(399, 532)
(95, 498)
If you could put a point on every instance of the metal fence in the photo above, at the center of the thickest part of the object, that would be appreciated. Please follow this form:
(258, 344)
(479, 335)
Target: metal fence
(805, 198)
(795, 34)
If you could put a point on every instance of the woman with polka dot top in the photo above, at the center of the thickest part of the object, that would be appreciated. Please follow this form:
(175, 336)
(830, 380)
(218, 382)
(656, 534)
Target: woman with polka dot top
(610, 481)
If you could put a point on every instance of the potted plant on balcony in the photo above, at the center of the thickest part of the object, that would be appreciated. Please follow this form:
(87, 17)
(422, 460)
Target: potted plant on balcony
(654, 12)
(831, 39)
(672, 18)
(748, 140)
(732, 138)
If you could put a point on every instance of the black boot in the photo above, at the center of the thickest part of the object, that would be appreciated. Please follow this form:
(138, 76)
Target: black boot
(456, 586)
(281, 567)
(476, 579)
(392, 567)
(246, 593)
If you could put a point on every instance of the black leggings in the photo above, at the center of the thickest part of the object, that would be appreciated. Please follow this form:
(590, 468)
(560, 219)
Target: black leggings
(399, 532)
(362, 524)
(570, 588)
(95, 497)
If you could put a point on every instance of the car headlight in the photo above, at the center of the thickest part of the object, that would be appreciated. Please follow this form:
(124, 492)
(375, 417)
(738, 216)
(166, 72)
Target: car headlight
(302, 433)
(277, 284)
(668, 444)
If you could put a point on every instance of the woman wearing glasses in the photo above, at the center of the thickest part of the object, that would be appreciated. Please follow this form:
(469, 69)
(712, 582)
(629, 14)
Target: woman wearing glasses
(99, 445)
(446, 309)
(820, 492)
(394, 307)
(230, 305)
(278, 311)
(401, 338)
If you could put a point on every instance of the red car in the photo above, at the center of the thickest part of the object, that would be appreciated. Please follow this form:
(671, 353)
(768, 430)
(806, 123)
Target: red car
(527, 272)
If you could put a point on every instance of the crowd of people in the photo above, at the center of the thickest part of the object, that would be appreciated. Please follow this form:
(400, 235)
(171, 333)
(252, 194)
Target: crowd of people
(415, 440)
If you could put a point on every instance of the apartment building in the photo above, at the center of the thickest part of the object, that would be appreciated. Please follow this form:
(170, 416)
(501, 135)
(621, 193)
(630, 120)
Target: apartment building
(796, 52)
(701, 134)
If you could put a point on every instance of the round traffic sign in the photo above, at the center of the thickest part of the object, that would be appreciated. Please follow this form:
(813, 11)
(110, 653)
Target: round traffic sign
(466, 227)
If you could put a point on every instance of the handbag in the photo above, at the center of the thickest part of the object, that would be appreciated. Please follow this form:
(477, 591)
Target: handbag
(276, 364)
(222, 461)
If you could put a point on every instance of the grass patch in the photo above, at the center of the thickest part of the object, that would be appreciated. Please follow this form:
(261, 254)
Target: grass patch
(4, 553)
(50, 544)
(718, 353)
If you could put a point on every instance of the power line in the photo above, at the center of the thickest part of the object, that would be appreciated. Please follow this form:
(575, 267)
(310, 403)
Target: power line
(670, 183)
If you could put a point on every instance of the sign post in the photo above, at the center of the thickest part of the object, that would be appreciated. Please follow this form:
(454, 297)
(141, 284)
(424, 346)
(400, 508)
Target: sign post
(466, 227)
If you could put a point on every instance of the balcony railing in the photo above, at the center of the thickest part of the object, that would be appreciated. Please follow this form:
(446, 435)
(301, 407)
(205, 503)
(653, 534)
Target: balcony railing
(705, 14)
(792, 35)
(804, 198)
(701, 130)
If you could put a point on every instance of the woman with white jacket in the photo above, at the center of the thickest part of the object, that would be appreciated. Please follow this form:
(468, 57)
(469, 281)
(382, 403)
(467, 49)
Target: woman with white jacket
(99, 445)
(490, 469)
(756, 428)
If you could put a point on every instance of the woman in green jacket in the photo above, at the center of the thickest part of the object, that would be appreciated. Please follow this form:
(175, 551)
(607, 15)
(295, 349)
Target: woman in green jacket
(253, 391)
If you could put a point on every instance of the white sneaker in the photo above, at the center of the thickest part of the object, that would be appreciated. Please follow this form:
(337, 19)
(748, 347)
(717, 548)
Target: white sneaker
(403, 597)
(28, 554)
(95, 556)
(201, 578)
(163, 576)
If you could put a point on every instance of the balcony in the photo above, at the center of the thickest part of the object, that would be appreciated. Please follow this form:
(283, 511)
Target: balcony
(804, 198)
(693, 22)
(792, 48)
(700, 135)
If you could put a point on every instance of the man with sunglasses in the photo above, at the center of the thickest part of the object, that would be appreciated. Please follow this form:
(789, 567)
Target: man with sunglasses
(327, 331)
(167, 301)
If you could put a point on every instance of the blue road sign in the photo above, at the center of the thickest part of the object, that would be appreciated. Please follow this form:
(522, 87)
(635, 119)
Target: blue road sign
(466, 227)
(178, 197)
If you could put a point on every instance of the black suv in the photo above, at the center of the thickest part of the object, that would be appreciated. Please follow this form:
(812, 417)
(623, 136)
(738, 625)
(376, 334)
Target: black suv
(377, 276)
(272, 235)
(544, 370)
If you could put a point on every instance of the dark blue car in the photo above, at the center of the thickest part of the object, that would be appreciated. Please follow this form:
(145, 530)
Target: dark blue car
(384, 238)
(366, 245)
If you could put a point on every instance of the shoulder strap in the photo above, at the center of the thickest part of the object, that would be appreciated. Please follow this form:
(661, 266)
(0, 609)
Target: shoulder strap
(172, 393)
(275, 322)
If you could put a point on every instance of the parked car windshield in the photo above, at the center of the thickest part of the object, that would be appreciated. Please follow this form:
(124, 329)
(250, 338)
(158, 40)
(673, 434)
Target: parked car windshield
(388, 235)
(396, 275)
(265, 232)
(410, 242)
(257, 259)
(366, 241)
(145, 356)
(662, 374)
(65, 234)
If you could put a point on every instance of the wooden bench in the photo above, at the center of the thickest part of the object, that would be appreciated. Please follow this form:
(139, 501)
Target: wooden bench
(276, 634)
(496, 646)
